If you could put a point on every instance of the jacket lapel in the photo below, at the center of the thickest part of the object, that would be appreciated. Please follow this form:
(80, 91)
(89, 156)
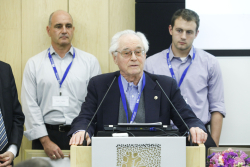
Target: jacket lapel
(152, 99)
(111, 107)
(1, 98)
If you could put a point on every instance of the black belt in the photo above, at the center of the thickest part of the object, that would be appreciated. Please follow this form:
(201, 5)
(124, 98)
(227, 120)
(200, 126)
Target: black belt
(60, 128)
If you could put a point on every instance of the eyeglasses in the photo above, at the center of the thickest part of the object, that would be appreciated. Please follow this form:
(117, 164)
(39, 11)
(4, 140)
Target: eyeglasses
(128, 53)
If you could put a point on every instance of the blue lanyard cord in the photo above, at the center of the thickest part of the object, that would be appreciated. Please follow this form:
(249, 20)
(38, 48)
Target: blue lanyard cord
(55, 70)
(124, 98)
(185, 71)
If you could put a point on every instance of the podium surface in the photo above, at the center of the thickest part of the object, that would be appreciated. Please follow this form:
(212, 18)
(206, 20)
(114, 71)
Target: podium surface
(81, 156)
(138, 151)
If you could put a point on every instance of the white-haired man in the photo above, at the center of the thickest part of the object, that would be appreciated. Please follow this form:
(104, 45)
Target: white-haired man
(54, 87)
(134, 95)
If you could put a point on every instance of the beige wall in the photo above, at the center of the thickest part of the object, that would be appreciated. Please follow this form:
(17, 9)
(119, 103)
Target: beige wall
(10, 36)
(23, 31)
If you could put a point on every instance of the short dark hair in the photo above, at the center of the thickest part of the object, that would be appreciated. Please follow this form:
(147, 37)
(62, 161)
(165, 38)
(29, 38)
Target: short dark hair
(187, 15)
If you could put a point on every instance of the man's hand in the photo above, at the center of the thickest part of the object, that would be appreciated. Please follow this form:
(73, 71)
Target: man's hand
(77, 139)
(50, 148)
(6, 159)
(198, 135)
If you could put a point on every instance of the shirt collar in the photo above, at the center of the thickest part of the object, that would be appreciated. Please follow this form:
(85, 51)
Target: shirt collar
(125, 84)
(53, 52)
(171, 54)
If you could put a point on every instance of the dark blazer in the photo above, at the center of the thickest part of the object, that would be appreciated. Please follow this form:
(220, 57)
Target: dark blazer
(156, 110)
(10, 107)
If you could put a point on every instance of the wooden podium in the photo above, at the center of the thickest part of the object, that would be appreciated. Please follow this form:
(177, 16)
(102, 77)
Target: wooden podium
(80, 156)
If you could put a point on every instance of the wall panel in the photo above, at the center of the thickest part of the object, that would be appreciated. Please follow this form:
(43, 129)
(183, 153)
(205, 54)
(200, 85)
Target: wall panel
(91, 28)
(121, 17)
(10, 36)
(35, 16)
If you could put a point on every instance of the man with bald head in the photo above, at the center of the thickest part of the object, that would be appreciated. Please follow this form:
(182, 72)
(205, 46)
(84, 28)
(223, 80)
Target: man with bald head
(134, 95)
(54, 87)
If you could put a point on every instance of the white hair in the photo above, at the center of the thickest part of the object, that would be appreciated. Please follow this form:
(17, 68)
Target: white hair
(115, 40)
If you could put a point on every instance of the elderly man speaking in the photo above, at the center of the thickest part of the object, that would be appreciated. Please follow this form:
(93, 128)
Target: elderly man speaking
(134, 95)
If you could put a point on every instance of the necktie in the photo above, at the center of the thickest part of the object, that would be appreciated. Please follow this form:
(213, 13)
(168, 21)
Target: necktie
(3, 135)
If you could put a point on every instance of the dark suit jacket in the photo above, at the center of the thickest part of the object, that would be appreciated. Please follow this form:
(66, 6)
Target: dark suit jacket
(10, 107)
(159, 110)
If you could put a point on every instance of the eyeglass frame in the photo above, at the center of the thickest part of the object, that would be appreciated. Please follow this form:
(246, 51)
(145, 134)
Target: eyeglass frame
(143, 52)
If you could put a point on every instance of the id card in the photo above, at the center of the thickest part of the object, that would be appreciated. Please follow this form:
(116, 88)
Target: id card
(60, 101)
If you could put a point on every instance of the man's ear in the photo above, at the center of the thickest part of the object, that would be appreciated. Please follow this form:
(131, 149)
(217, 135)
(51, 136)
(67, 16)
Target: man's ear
(197, 32)
(170, 29)
(114, 58)
(48, 30)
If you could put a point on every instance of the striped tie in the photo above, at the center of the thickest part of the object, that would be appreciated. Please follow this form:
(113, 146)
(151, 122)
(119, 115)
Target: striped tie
(3, 135)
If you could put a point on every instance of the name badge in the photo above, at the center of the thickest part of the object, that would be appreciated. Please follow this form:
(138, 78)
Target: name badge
(60, 101)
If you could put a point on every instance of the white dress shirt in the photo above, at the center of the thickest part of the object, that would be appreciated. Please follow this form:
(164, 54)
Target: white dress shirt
(40, 85)
(13, 148)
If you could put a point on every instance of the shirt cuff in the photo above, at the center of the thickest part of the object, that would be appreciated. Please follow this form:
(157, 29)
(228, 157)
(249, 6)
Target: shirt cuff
(78, 131)
(36, 133)
(13, 148)
(222, 113)
(81, 131)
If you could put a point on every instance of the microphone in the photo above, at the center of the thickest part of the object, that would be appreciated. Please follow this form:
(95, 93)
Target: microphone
(154, 78)
(85, 141)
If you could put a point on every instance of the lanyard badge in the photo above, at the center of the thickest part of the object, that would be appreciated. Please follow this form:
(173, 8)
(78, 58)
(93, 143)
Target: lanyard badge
(185, 71)
(124, 98)
(55, 70)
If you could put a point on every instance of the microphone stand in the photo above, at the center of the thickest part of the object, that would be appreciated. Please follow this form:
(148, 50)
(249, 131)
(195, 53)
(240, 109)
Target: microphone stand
(85, 141)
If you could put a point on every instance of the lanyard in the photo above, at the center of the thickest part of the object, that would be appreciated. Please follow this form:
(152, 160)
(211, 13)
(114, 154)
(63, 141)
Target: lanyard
(55, 70)
(124, 98)
(185, 71)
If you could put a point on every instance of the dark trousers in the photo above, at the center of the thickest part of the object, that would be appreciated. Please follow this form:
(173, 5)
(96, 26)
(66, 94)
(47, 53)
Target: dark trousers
(59, 138)
(210, 142)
